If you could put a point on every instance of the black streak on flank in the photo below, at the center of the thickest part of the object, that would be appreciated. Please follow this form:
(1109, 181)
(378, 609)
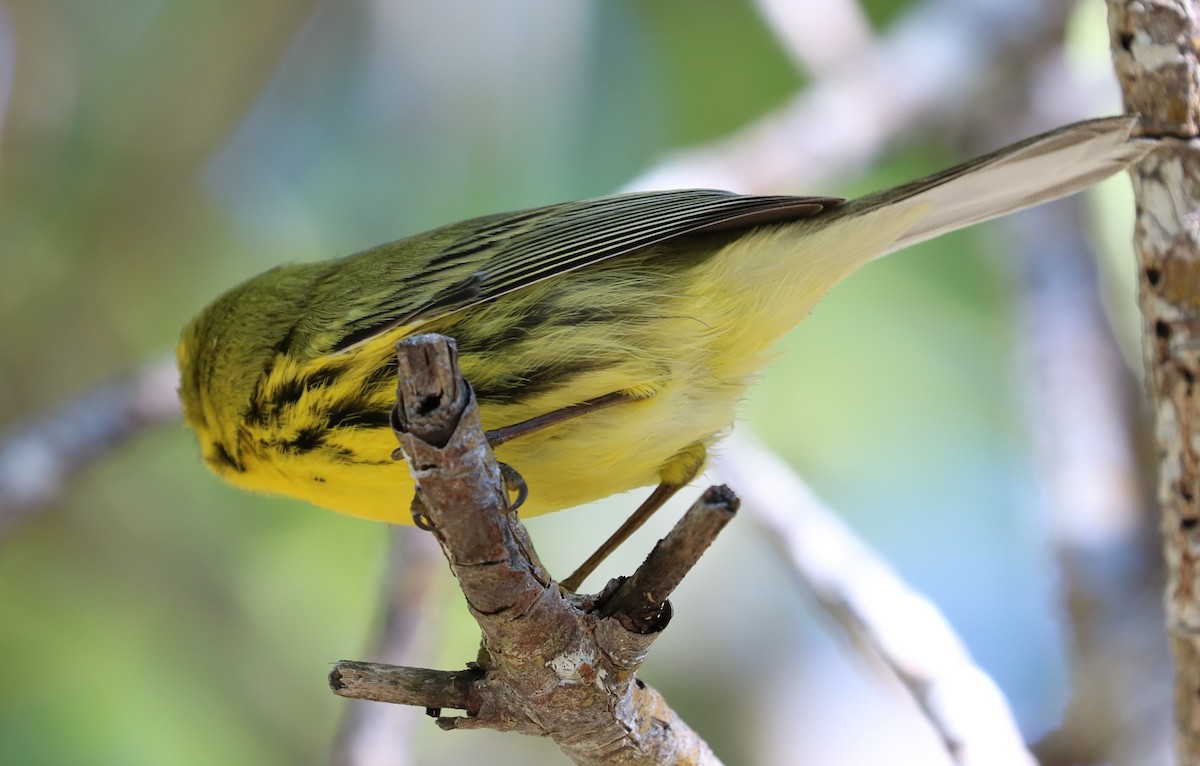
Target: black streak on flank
(352, 414)
(255, 413)
(534, 382)
(223, 459)
(289, 392)
(307, 440)
(531, 323)
(327, 376)
(523, 328)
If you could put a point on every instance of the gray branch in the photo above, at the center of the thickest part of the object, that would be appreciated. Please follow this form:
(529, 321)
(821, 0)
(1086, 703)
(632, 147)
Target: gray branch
(876, 608)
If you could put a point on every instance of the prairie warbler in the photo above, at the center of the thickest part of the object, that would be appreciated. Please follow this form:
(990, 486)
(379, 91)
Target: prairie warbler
(639, 318)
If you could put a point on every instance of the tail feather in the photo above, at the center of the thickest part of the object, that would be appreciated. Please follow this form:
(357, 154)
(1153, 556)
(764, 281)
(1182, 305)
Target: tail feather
(1037, 170)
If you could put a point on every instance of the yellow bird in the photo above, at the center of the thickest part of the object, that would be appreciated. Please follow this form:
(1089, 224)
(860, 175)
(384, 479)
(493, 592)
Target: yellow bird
(612, 338)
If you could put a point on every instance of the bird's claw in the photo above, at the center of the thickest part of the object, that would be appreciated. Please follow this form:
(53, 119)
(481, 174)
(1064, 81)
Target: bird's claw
(420, 514)
(514, 482)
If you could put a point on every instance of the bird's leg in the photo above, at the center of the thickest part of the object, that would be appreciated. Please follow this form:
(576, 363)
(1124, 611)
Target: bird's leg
(688, 468)
(661, 494)
(498, 436)
(676, 474)
(512, 478)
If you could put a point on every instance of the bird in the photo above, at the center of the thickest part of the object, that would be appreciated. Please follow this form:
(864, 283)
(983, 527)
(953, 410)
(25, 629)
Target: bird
(608, 341)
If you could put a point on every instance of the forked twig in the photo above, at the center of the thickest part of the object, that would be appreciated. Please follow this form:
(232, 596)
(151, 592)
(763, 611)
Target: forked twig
(552, 663)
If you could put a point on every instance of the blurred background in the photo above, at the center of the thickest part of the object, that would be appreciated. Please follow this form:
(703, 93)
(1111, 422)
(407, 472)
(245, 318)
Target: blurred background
(155, 152)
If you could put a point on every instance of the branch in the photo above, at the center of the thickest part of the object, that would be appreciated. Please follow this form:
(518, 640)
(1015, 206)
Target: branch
(819, 35)
(934, 65)
(552, 663)
(876, 608)
(1153, 46)
(1086, 422)
(640, 602)
(431, 689)
(1086, 419)
(39, 458)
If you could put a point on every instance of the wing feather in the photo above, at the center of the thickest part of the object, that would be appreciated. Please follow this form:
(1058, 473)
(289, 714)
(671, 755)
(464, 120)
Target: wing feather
(478, 261)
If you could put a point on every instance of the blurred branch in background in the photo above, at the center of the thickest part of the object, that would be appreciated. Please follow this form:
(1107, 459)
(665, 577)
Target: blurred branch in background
(39, 458)
(880, 614)
(122, 210)
(1087, 419)
(818, 35)
(1086, 414)
(378, 735)
(928, 69)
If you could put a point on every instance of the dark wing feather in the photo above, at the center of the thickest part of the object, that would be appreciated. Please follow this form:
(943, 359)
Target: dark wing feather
(480, 260)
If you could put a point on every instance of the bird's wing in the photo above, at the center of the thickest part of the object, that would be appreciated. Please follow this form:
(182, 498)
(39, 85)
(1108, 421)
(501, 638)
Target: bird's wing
(478, 261)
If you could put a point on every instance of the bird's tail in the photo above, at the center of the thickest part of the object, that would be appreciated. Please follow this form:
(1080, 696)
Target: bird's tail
(1036, 170)
(762, 284)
